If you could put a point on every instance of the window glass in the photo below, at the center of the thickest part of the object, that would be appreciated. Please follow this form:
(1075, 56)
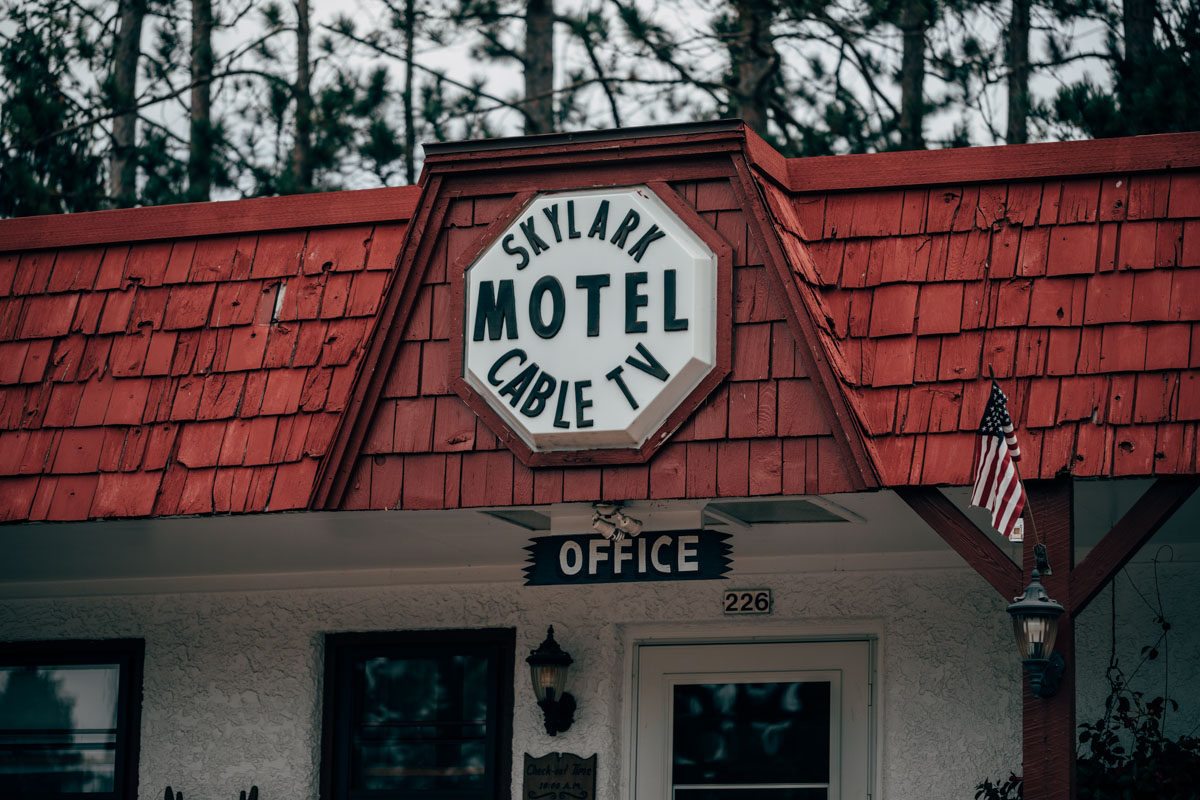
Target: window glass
(68, 728)
(769, 738)
(422, 714)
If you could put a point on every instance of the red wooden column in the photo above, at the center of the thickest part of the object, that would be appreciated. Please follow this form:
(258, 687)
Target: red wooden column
(1049, 723)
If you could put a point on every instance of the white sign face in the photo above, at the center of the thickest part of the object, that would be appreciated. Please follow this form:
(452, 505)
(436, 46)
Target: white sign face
(590, 319)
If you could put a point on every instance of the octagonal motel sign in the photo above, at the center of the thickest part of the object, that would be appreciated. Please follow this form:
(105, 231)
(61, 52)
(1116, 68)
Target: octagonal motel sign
(590, 318)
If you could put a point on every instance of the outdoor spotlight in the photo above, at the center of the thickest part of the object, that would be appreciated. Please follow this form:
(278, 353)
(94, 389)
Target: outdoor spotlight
(548, 667)
(1035, 622)
(610, 530)
(630, 525)
(611, 521)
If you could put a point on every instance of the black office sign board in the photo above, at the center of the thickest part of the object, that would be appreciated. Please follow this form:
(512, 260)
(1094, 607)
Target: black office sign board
(559, 776)
(652, 556)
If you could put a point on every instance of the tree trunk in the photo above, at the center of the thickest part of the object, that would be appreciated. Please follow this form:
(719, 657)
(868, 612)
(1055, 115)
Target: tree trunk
(200, 143)
(539, 66)
(302, 167)
(1018, 73)
(410, 122)
(1139, 33)
(914, 21)
(127, 51)
(754, 62)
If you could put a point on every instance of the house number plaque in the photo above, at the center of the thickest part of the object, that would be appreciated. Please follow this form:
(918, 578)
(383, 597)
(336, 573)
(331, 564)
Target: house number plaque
(559, 776)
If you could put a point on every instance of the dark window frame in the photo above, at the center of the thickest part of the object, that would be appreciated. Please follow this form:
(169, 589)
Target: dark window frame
(130, 655)
(343, 650)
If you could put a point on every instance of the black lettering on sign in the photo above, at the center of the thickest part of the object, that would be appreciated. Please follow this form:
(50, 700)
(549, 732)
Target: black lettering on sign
(515, 250)
(496, 310)
(639, 249)
(571, 232)
(535, 241)
(517, 386)
(634, 300)
(493, 373)
(551, 213)
(559, 776)
(628, 224)
(593, 284)
(558, 306)
(671, 303)
(650, 366)
(543, 388)
(687, 555)
(581, 404)
(559, 422)
(614, 374)
(600, 224)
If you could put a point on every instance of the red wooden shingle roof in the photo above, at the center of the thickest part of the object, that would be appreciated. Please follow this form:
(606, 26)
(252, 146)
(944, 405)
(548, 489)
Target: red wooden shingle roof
(1081, 295)
(181, 376)
(287, 353)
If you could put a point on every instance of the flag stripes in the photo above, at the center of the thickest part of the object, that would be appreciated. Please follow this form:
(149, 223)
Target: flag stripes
(997, 486)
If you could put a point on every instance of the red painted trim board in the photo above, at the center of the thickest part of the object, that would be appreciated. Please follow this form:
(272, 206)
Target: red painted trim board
(209, 219)
(819, 174)
(972, 165)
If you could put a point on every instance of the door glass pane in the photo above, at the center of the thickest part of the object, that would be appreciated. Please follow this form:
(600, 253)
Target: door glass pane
(422, 723)
(750, 733)
(58, 728)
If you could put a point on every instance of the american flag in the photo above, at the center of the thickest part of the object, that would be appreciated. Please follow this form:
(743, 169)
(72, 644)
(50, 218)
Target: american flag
(997, 486)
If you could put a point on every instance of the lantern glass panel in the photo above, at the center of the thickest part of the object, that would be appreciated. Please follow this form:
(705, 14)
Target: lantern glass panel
(549, 680)
(1035, 635)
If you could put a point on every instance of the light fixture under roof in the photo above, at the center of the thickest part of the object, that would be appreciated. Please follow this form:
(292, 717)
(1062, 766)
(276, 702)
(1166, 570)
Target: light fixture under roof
(796, 511)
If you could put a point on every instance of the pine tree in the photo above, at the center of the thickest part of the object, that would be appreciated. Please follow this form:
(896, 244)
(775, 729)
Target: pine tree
(1017, 57)
(1154, 73)
(123, 79)
(201, 132)
(50, 158)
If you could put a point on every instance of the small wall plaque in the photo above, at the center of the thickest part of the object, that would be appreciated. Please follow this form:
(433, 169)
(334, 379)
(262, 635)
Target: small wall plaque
(747, 601)
(559, 776)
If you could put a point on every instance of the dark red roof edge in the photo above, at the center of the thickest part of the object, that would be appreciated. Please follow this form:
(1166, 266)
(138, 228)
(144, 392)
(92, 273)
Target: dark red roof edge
(1001, 163)
(818, 174)
(208, 219)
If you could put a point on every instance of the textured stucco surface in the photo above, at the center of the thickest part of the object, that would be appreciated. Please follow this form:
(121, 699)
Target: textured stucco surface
(233, 680)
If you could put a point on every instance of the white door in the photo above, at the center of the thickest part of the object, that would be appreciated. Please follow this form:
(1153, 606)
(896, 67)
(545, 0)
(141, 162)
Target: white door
(779, 721)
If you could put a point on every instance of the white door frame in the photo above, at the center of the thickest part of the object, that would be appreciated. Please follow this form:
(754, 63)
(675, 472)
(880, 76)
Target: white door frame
(759, 631)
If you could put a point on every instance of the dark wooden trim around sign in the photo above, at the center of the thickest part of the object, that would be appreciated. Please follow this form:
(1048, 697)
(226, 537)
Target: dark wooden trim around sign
(1148, 515)
(209, 219)
(336, 703)
(129, 654)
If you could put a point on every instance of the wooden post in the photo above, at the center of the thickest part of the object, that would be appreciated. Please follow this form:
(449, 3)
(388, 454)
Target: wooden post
(1049, 723)
(1048, 750)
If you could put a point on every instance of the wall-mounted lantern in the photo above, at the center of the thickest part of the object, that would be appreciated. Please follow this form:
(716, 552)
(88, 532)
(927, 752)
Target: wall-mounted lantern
(548, 667)
(1035, 622)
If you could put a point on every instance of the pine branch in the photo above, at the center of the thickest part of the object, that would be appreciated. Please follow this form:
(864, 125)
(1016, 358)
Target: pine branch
(95, 120)
(473, 91)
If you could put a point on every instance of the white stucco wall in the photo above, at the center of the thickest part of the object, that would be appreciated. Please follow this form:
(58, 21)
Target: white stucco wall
(233, 680)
